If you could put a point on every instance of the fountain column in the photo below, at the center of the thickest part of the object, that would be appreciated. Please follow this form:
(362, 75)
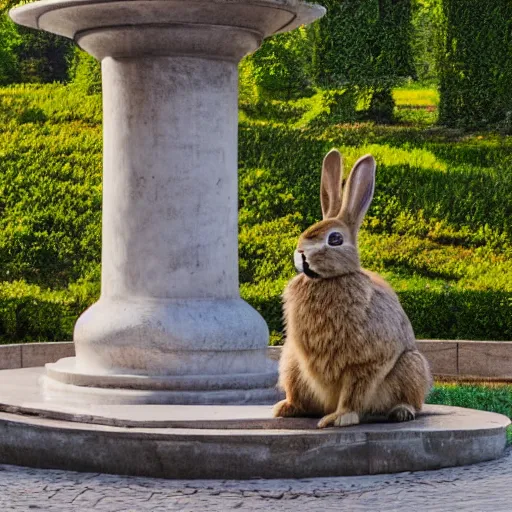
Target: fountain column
(170, 325)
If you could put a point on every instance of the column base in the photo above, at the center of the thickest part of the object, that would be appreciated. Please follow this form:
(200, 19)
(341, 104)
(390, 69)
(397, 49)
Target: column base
(148, 337)
(64, 382)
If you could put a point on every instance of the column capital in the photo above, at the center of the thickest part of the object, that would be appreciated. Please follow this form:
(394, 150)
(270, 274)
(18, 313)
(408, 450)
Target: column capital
(225, 29)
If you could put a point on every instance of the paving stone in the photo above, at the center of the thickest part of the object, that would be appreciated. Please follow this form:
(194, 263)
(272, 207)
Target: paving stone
(481, 487)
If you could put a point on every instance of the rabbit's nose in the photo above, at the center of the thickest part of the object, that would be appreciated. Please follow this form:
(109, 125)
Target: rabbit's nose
(300, 251)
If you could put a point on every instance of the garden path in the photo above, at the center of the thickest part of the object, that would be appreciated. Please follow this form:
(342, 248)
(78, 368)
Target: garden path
(478, 488)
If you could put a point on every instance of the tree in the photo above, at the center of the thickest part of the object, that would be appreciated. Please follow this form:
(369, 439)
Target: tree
(28, 55)
(365, 45)
(43, 57)
(281, 65)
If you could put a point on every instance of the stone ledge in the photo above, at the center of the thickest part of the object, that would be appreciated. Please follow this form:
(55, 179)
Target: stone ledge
(29, 355)
(229, 442)
(461, 359)
(457, 359)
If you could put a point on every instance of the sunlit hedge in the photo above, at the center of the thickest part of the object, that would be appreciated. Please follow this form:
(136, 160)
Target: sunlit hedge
(439, 228)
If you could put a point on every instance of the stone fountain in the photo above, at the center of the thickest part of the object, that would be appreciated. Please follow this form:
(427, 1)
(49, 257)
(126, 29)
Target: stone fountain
(170, 352)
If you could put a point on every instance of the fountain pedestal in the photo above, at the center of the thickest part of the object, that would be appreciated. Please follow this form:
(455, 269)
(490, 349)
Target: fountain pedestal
(170, 319)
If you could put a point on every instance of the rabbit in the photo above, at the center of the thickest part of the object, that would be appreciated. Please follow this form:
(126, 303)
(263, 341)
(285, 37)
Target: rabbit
(350, 349)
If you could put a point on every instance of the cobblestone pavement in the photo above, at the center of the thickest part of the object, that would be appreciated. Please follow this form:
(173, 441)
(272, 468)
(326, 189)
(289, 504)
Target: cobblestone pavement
(478, 488)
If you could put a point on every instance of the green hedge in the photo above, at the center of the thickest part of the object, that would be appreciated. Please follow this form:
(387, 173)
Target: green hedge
(363, 43)
(439, 228)
(28, 313)
(50, 187)
(465, 315)
(476, 69)
(466, 183)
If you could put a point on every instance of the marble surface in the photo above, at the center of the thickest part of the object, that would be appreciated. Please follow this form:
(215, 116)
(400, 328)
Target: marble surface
(21, 392)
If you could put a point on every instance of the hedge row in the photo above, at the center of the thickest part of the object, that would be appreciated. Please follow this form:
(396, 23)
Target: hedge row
(28, 313)
(439, 228)
(451, 314)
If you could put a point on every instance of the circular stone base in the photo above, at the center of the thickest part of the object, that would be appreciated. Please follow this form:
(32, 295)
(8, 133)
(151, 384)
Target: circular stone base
(228, 441)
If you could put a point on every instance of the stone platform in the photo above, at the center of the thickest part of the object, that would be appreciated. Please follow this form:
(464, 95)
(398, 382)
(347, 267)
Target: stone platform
(239, 442)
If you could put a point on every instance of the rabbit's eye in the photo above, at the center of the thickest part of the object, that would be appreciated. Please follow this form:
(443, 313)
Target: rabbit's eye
(335, 238)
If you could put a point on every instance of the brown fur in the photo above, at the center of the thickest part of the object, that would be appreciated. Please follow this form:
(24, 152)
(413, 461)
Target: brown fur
(350, 348)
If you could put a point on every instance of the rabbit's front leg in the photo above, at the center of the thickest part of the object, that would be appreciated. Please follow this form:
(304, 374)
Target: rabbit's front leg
(358, 388)
(342, 416)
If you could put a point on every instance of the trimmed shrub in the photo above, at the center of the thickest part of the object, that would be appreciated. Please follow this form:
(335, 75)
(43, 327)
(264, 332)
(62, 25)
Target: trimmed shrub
(28, 313)
(281, 65)
(476, 69)
(451, 314)
(364, 45)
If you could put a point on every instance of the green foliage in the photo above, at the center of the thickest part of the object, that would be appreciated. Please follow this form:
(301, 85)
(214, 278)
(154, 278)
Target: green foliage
(476, 69)
(50, 191)
(85, 72)
(9, 44)
(42, 57)
(28, 313)
(321, 108)
(280, 66)
(31, 56)
(365, 45)
(483, 397)
(329, 107)
(362, 47)
(247, 89)
(427, 40)
(265, 249)
(459, 314)
(382, 106)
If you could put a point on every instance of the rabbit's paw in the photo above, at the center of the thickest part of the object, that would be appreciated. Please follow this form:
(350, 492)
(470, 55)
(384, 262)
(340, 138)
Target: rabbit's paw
(339, 420)
(285, 409)
(401, 413)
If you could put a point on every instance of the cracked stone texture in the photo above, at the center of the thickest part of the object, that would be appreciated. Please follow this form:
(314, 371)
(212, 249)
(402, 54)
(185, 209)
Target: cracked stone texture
(477, 488)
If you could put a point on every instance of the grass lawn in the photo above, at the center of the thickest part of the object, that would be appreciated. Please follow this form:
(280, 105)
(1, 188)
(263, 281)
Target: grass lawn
(484, 397)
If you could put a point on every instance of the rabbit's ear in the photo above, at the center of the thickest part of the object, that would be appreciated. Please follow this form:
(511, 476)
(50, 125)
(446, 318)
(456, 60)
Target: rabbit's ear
(330, 187)
(358, 193)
